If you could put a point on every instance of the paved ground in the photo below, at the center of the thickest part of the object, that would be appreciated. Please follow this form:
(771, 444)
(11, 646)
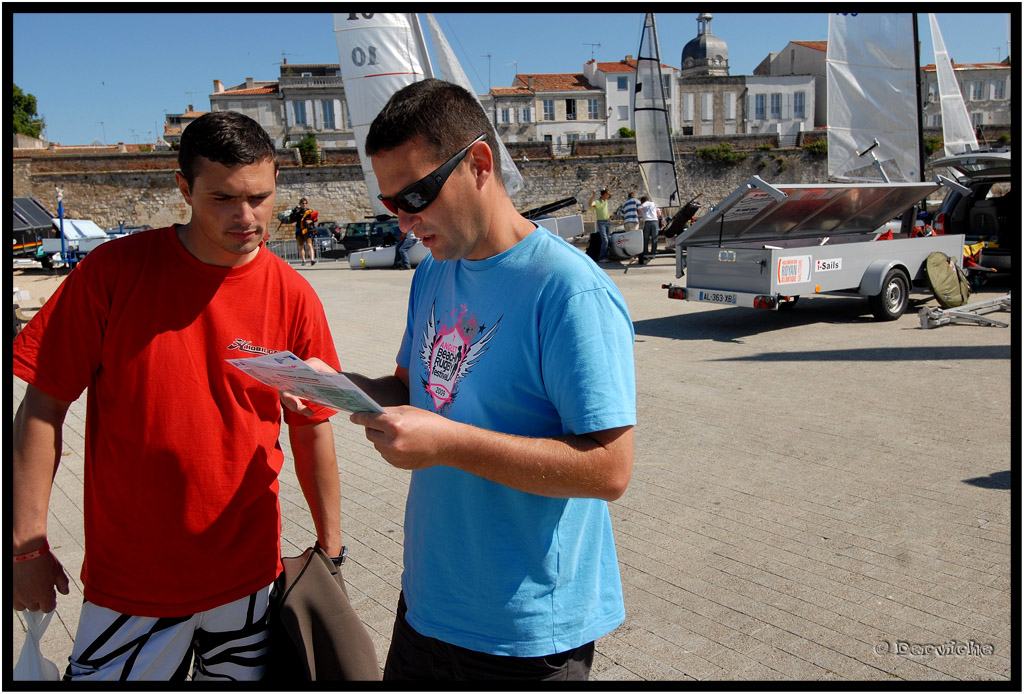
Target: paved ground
(817, 495)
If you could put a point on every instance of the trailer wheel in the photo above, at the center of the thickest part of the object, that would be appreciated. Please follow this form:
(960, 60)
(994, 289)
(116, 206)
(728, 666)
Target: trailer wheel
(892, 301)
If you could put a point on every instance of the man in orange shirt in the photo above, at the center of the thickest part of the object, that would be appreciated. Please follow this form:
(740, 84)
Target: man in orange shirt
(181, 510)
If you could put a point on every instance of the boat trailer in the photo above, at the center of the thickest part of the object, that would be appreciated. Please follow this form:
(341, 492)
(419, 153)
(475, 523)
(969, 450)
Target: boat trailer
(968, 313)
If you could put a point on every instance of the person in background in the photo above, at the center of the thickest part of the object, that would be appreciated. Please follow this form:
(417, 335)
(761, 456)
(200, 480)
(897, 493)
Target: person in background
(402, 246)
(630, 213)
(603, 217)
(513, 404)
(304, 231)
(182, 517)
(651, 215)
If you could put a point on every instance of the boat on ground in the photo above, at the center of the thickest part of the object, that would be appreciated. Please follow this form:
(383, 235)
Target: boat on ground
(384, 256)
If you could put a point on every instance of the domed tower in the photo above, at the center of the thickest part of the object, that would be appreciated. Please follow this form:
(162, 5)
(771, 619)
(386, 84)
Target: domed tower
(705, 55)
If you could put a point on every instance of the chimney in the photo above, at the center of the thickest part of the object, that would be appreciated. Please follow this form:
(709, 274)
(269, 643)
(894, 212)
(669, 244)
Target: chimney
(190, 107)
(248, 82)
(218, 86)
(530, 82)
(628, 58)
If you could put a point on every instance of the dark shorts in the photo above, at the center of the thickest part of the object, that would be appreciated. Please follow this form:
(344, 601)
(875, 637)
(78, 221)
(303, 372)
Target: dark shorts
(413, 656)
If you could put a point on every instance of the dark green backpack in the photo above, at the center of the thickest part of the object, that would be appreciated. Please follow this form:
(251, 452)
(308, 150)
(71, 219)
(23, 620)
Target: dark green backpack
(947, 280)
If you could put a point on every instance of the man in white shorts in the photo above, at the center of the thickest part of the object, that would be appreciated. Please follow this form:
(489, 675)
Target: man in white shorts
(181, 510)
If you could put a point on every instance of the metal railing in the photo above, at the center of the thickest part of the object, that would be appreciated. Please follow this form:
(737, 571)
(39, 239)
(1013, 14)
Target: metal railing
(288, 250)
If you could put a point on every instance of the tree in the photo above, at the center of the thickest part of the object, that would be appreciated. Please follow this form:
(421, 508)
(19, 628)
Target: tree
(309, 149)
(26, 120)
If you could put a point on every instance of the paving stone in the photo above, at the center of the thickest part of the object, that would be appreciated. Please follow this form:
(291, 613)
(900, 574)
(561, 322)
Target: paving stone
(752, 547)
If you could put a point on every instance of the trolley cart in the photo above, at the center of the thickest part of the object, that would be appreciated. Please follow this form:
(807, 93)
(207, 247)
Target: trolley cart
(766, 245)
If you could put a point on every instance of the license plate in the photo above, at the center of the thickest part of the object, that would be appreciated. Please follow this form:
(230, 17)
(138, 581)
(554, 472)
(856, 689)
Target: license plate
(716, 297)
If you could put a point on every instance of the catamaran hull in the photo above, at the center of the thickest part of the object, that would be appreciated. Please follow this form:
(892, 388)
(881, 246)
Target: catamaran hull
(627, 244)
(384, 256)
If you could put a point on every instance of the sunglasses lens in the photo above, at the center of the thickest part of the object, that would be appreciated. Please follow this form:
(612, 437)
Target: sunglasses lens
(389, 204)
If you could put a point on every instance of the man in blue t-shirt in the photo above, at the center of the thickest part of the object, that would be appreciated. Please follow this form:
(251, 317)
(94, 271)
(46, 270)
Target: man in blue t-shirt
(514, 405)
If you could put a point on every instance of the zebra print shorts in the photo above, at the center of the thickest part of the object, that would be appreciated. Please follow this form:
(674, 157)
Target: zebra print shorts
(226, 643)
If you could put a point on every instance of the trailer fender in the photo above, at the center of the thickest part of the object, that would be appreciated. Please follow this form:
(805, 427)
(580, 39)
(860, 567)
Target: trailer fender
(871, 282)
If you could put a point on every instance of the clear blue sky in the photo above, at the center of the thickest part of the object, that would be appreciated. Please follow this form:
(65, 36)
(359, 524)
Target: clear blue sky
(112, 77)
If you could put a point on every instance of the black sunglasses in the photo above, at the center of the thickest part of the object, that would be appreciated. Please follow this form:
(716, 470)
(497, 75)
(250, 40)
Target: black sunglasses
(418, 196)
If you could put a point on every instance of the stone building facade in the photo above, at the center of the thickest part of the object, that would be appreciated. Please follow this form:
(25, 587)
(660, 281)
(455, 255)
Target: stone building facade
(306, 98)
(140, 188)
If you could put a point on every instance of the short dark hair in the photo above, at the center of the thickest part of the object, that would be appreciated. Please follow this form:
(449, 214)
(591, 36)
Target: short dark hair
(226, 137)
(445, 115)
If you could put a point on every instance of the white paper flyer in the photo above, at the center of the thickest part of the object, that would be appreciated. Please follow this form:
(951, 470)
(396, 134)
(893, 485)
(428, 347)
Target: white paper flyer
(285, 371)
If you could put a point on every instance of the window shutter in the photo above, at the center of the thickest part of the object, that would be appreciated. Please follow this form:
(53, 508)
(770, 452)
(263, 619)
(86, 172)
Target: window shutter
(687, 107)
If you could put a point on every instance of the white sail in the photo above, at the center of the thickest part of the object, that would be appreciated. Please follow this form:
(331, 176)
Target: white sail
(651, 120)
(871, 73)
(379, 54)
(451, 71)
(957, 132)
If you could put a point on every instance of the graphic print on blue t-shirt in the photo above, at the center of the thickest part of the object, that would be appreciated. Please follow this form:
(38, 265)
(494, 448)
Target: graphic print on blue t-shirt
(449, 351)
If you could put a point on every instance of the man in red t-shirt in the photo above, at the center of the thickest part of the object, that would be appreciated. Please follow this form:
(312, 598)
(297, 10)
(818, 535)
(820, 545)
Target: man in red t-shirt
(181, 511)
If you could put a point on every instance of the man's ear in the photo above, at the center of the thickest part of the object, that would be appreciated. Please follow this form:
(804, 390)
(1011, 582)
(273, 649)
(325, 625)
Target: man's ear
(179, 178)
(482, 160)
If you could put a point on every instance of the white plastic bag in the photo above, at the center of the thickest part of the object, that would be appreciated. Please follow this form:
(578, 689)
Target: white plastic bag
(32, 666)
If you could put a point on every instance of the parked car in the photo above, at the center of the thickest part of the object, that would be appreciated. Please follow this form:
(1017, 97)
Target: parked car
(321, 240)
(989, 213)
(388, 231)
(367, 234)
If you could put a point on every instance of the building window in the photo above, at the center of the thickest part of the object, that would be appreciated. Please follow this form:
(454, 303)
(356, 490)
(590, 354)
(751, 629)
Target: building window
(937, 121)
(729, 101)
(299, 108)
(592, 113)
(687, 106)
(999, 90)
(976, 91)
(776, 113)
(977, 119)
(622, 83)
(505, 116)
(524, 115)
(571, 137)
(707, 108)
(666, 82)
(570, 109)
(328, 110)
(623, 112)
(798, 105)
(591, 136)
(549, 109)
(759, 106)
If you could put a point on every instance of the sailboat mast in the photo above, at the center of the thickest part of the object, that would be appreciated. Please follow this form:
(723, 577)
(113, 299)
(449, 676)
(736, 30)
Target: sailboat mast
(421, 44)
(919, 113)
(664, 100)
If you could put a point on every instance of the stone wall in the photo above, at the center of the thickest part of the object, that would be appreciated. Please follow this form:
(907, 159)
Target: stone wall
(139, 188)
